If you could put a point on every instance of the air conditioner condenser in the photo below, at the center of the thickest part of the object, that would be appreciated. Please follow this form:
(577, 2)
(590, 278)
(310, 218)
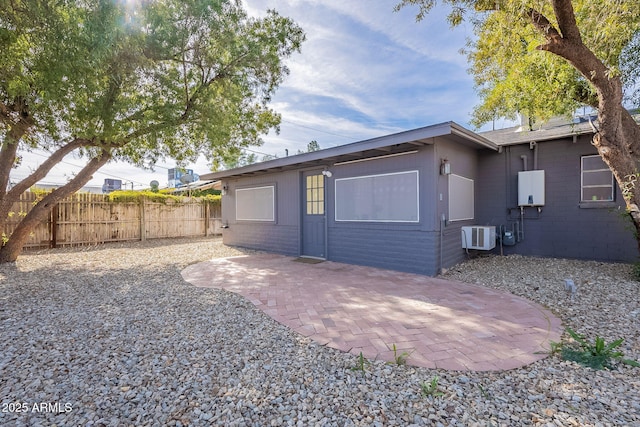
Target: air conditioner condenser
(479, 237)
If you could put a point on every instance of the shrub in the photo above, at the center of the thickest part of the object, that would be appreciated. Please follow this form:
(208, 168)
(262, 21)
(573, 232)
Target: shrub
(596, 355)
(161, 196)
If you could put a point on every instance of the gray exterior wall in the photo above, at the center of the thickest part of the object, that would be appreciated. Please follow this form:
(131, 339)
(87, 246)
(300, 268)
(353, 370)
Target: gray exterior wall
(423, 247)
(464, 162)
(410, 247)
(280, 236)
(563, 228)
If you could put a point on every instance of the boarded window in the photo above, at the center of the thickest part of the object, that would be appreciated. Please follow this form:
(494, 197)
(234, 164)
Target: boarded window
(255, 204)
(461, 198)
(392, 197)
(597, 180)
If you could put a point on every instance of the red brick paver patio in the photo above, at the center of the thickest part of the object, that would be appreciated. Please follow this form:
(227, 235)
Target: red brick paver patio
(443, 324)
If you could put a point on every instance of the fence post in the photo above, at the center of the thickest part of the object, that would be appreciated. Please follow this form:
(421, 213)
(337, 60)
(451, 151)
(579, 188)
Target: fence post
(53, 223)
(143, 225)
(207, 211)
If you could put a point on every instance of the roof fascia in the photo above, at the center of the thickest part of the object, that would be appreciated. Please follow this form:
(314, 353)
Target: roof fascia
(424, 135)
(456, 129)
(539, 138)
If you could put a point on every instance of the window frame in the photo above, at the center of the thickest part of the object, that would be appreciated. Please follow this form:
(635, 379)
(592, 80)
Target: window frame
(314, 194)
(583, 186)
(415, 173)
(452, 198)
(239, 191)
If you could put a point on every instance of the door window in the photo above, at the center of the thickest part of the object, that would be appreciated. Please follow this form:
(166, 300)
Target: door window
(315, 195)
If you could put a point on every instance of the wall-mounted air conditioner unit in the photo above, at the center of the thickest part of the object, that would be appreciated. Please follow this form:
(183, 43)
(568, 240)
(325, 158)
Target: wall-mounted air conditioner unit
(479, 237)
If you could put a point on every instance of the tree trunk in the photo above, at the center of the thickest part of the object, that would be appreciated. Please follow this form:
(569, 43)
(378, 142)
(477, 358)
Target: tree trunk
(9, 147)
(8, 153)
(7, 158)
(8, 198)
(617, 136)
(13, 248)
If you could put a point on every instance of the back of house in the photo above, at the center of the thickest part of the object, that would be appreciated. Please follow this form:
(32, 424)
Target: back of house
(424, 200)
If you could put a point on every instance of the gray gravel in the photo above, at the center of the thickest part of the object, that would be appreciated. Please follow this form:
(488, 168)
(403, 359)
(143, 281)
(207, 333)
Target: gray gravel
(112, 336)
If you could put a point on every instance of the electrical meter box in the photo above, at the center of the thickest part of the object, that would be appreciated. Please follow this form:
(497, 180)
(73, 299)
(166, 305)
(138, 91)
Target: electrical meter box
(531, 188)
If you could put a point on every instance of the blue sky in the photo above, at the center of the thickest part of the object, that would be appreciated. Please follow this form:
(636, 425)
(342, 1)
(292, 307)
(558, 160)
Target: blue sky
(364, 71)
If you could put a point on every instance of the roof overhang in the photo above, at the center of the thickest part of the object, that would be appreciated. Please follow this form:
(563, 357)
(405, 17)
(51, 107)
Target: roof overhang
(555, 129)
(385, 145)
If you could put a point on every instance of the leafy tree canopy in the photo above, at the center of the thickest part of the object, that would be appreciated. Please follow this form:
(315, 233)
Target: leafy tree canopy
(169, 78)
(134, 81)
(313, 146)
(512, 70)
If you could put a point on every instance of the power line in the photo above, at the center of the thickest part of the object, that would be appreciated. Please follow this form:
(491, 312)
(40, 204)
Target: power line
(320, 130)
(257, 152)
(97, 172)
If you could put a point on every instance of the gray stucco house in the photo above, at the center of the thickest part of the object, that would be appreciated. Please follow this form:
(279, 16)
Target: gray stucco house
(422, 200)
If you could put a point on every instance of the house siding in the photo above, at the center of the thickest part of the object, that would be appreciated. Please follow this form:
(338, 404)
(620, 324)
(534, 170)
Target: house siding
(464, 162)
(422, 247)
(410, 251)
(401, 246)
(407, 247)
(280, 236)
(562, 228)
(278, 239)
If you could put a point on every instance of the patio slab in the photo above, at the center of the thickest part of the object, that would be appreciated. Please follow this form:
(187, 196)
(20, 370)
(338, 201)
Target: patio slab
(441, 323)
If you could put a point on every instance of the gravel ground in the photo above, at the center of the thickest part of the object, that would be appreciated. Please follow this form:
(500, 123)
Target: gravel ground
(112, 336)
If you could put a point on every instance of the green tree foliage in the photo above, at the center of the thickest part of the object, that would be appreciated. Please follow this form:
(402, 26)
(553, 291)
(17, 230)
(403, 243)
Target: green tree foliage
(236, 159)
(510, 59)
(134, 81)
(313, 145)
(543, 58)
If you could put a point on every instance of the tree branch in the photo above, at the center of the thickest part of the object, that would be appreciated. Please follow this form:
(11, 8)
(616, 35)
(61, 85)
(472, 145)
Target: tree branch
(563, 9)
(46, 166)
(79, 180)
(10, 251)
(544, 26)
(9, 148)
(569, 46)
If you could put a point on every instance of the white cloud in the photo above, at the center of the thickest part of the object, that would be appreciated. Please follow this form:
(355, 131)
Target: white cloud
(371, 60)
(364, 71)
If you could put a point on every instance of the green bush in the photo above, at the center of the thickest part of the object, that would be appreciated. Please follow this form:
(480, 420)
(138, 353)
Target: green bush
(162, 196)
(136, 196)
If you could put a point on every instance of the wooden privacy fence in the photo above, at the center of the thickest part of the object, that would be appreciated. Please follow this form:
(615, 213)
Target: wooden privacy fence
(87, 219)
